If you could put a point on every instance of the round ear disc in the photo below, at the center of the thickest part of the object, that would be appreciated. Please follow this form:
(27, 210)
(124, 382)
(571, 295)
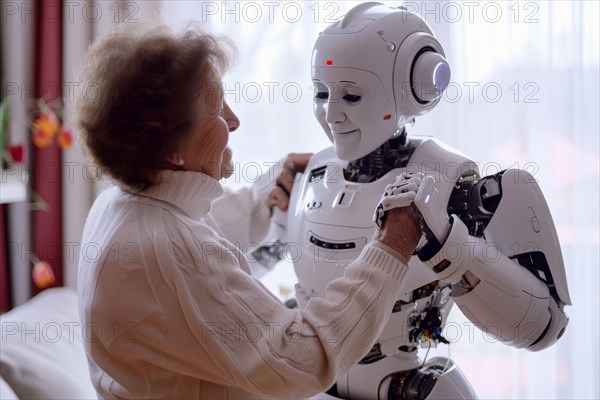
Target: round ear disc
(430, 75)
(421, 73)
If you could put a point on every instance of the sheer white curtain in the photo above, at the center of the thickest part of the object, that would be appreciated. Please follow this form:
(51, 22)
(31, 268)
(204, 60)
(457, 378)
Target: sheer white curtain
(83, 21)
(524, 93)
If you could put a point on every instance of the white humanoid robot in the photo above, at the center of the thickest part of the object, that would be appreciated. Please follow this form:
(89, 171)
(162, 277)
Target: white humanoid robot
(490, 244)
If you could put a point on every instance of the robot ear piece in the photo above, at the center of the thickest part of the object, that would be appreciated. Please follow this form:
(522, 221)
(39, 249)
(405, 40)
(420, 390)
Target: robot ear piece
(430, 75)
(418, 85)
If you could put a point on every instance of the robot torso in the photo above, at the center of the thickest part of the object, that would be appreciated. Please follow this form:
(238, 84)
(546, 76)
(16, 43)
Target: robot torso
(330, 221)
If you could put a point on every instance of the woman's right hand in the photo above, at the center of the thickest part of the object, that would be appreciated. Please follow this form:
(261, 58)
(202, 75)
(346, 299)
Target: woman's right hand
(401, 231)
(398, 223)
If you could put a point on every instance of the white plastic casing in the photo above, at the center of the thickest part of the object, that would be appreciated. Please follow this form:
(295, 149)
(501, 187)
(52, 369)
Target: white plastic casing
(388, 47)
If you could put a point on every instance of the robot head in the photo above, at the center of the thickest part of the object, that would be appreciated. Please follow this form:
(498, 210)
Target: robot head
(374, 70)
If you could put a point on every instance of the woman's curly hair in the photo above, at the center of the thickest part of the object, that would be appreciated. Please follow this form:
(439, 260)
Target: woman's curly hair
(140, 94)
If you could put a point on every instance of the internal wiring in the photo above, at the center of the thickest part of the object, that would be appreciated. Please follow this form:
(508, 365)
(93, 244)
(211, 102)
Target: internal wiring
(447, 361)
(426, 354)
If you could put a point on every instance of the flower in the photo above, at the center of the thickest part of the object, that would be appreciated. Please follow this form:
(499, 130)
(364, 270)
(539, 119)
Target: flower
(48, 125)
(16, 153)
(8, 153)
(65, 138)
(41, 139)
(42, 274)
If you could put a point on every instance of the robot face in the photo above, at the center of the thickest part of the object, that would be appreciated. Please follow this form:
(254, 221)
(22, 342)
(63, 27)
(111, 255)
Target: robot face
(374, 71)
(354, 109)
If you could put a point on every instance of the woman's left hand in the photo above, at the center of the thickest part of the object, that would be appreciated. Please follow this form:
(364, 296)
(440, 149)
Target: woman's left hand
(294, 163)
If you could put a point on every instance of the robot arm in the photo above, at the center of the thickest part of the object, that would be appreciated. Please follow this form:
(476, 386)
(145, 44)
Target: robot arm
(510, 281)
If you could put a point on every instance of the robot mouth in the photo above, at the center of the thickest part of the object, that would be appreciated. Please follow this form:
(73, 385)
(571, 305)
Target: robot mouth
(346, 133)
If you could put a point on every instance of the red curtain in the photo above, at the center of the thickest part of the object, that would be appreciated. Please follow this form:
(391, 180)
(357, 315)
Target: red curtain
(4, 278)
(47, 162)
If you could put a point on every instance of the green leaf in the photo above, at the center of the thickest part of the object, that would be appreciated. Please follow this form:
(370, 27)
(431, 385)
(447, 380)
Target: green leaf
(4, 118)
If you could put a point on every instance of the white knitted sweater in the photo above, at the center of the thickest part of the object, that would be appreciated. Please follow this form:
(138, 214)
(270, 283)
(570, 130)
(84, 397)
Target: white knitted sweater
(170, 310)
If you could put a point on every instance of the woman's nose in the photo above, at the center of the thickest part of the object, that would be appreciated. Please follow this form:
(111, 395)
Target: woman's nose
(232, 120)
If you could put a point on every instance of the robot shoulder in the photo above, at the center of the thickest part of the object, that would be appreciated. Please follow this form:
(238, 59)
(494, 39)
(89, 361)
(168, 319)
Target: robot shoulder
(323, 157)
(433, 157)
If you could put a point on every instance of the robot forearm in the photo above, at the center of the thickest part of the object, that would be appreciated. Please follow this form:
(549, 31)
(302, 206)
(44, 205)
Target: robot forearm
(498, 295)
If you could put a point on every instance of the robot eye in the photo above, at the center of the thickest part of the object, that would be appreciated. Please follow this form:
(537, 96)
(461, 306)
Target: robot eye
(352, 98)
(322, 95)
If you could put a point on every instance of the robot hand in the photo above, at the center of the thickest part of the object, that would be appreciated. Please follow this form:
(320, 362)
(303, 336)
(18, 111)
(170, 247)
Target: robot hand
(434, 217)
(398, 194)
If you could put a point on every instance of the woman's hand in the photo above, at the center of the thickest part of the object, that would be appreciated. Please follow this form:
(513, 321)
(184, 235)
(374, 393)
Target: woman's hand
(398, 223)
(401, 230)
(294, 163)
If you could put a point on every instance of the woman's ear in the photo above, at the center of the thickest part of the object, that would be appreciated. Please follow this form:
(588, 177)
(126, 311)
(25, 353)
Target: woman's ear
(176, 159)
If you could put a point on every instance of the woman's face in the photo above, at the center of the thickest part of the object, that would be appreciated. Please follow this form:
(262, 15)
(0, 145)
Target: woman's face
(206, 149)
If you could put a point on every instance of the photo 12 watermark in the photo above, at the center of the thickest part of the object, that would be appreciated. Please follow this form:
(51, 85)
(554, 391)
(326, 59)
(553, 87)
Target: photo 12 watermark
(489, 12)
(70, 11)
(252, 12)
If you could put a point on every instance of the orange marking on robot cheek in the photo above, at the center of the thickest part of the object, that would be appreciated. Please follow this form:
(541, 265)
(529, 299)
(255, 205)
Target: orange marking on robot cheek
(387, 116)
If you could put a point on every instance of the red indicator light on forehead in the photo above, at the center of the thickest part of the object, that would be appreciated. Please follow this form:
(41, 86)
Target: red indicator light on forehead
(329, 62)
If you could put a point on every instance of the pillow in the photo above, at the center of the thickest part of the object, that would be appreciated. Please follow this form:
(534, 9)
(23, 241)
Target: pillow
(42, 353)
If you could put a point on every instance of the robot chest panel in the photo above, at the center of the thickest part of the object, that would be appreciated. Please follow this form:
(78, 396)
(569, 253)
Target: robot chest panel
(328, 199)
(332, 223)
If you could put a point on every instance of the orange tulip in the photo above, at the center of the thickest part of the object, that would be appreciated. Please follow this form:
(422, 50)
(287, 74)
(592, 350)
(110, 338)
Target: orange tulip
(65, 138)
(42, 274)
(42, 139)
(47, 123)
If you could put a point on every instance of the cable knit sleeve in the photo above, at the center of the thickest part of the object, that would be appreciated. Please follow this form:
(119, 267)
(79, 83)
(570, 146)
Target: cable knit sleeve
(243, 216)
(170, 310)
(231, 331)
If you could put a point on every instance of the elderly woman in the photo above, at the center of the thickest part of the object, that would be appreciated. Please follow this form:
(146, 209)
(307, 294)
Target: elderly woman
(168, 304)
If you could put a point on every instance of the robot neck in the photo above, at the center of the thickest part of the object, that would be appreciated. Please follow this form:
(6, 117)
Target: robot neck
(393, 154)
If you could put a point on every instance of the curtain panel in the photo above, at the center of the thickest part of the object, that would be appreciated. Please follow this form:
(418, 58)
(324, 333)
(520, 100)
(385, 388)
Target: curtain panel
(43, 42)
